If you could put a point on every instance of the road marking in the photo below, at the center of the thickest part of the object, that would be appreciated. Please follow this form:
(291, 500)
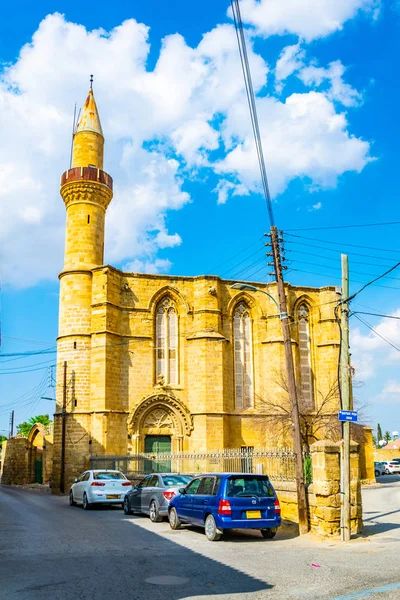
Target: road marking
(378, 590)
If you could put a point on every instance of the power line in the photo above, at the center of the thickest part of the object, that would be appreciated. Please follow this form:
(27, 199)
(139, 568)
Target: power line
(358, 312)
(233, 256)
(252, 104)
(335, 259)
(376, 333)
(383, 258)
(302, 262)
(344, 244)
(345, 226)
(389, 287)
(371, 282)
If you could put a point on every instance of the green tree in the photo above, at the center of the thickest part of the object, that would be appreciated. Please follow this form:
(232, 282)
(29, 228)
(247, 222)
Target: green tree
(380, 436)
(3, 438)
(375, 442)
(25, 427)
(387, 437)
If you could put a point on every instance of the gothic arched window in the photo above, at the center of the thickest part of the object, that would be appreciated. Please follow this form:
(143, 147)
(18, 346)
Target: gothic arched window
(167, 342)
(306, 374)
(242, 341)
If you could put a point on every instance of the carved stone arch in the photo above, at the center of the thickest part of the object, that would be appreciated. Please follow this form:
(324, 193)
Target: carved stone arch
(174, 294)
(314, 312)
(36, 429)
(245, 298)
(162, 401)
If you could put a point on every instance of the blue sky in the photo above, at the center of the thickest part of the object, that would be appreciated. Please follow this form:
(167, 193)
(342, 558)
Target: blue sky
(178, 144)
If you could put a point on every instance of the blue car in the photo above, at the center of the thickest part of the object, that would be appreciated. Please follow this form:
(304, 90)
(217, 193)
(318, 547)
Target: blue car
(222, 501)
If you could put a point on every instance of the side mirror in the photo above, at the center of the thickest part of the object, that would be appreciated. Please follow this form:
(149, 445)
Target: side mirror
(182, 490)
(76, 480)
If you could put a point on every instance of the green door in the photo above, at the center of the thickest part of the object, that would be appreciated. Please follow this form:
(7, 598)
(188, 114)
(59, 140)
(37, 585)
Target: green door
(154, 444)
(38, 470)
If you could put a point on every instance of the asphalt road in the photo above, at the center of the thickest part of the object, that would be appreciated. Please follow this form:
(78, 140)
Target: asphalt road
(52, 551)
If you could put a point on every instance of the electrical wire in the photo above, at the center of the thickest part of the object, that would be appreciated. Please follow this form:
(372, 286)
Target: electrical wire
(252, 103)
(389, 287)
(383, 258)
(343, 244)
(303, 262)
(358, 312)
(371, 282)
(376, 332)
(345, 226)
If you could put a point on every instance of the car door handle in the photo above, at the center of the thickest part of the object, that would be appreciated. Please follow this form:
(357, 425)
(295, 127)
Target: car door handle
(205, 501)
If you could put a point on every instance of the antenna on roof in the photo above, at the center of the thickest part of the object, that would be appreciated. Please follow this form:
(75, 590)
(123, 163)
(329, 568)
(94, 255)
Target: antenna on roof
(91, 82)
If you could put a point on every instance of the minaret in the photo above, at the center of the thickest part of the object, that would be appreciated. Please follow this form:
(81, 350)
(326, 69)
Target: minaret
(87, 191)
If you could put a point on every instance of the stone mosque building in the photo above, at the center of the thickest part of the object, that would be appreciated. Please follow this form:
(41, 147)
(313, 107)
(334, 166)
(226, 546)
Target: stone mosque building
(164, 362)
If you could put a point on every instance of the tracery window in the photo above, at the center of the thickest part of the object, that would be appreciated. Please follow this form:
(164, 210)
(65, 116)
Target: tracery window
(243, 357)
(306, 374)
(167, 342)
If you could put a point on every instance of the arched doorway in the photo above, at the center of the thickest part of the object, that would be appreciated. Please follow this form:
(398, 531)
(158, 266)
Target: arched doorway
(159, 424)
(36, 441)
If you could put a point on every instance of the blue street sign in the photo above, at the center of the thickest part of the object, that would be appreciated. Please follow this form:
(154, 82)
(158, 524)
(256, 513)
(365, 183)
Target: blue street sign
(348, 415)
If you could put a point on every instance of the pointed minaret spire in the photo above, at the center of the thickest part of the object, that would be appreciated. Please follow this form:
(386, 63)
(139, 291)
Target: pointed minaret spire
(88, 143)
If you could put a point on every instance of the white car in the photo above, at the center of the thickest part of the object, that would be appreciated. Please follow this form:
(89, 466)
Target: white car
(99, 486)
(391, 467)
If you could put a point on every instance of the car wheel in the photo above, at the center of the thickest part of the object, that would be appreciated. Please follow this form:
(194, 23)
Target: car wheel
(377, 473)
(213, 534)
(126, 506)
(174, 520)
(387, 471)
(85, 503)
(268, 534)
(153, 512)
(71, 499)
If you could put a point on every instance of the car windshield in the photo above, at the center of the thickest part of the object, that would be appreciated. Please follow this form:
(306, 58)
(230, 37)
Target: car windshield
(108, 475)
(176, 480)
(249, 486)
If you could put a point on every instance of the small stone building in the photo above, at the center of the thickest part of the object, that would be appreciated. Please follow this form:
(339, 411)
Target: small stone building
(168, 363)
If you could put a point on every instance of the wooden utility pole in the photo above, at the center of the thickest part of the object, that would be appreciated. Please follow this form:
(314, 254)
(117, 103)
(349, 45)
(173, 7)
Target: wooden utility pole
(292, 389)
(346, 401)
(11, 424)
(63, 429)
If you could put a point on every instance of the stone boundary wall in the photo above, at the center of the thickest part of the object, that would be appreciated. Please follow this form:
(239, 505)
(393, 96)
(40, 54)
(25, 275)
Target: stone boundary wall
(14, 467)
(323, 495)
(381, 455)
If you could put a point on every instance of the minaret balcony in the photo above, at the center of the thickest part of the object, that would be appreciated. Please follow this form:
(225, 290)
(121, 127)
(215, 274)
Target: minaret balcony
(87, 174)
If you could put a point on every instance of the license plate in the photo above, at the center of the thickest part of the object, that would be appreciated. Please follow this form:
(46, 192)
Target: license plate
(111, 496)
(253, 514)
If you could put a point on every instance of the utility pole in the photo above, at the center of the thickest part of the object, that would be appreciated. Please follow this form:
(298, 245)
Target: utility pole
(346, 401)
(292, 389)
(63, 417)
(11, 424)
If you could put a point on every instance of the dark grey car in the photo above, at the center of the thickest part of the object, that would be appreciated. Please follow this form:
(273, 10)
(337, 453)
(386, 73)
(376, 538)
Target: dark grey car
(151, 496)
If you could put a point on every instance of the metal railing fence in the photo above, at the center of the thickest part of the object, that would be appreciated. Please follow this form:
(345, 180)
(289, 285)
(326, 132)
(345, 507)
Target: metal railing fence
(277, 463)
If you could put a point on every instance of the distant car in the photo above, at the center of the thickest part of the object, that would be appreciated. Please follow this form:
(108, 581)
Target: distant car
(152, 495)
(223, 501)
(391, 467)
(379, 468)
(99, 487)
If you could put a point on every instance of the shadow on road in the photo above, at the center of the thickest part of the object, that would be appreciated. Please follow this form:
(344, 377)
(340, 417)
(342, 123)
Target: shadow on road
(388, 479)
(102, 554)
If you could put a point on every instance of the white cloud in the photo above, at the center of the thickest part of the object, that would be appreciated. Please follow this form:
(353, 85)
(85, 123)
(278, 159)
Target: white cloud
(338, 90)
(371, 353)
(302, 137)
(308, 19)
(190, 111)
(290, 61)
(391, 387)
(316, 206)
